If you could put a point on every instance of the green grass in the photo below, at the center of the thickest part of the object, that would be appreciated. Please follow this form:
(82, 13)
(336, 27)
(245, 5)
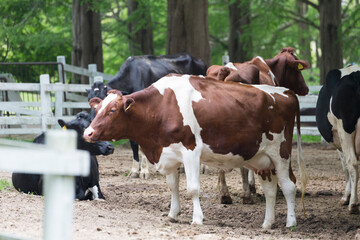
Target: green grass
(308, 138)
(5, 185)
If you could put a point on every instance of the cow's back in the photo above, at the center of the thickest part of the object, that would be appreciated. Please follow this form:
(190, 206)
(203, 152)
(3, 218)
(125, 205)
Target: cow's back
(139, 72)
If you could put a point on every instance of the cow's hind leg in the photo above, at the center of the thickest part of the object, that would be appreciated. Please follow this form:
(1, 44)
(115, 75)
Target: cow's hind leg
(269, 188)
(289, 190)
(251, 179)
(173, 183)
(225, 197)
(346, 197)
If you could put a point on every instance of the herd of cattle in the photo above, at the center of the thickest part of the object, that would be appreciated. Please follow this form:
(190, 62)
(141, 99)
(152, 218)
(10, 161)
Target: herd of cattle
(240, 115)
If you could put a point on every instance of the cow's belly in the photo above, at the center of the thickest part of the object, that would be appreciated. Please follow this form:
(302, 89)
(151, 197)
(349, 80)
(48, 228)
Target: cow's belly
(260, 161)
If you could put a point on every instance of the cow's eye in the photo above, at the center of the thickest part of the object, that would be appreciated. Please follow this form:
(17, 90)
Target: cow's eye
(113, 110)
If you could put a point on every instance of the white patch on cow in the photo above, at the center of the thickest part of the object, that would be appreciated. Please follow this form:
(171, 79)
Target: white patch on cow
(271, 107)
(261, 59)
(348, 70)
(107, 100)
(96, 89)
(345, 143)
(271, 90)
(231, 65)
(272, 77)
(185, 94)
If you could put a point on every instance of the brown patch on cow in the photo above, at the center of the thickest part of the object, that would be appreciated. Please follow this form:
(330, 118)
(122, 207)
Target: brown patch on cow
(266, 174)
(291, 174)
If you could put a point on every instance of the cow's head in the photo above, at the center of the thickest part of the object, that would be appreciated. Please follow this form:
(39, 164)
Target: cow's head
(79, 124)
(110, 121)
(98, 89)
(287, 68)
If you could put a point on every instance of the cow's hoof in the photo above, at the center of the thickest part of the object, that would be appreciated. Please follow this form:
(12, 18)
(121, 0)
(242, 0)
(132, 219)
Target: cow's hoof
(354, 208)
(252, 189)
(134, 175)
(248, 200)
(344, 202)
(225, 199)
(172, 220)
(145, 176)
(267, 225)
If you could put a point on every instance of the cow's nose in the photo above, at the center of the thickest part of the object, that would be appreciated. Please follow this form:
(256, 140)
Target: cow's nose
(110, 149)
(88, 133)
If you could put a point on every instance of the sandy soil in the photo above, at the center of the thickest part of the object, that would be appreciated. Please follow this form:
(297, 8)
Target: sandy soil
(137, 208)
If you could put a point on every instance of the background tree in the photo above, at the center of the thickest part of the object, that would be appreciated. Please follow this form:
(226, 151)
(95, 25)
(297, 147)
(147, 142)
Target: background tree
(188, 28)
(87, 41)
(240, 40)
(330, 36)
(140, 28)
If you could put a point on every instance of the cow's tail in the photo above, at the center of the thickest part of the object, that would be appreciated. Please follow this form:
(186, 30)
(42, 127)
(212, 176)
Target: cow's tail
(300, 160)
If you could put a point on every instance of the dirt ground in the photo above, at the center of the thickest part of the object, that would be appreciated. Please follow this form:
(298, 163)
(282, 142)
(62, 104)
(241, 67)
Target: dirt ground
(137, 208)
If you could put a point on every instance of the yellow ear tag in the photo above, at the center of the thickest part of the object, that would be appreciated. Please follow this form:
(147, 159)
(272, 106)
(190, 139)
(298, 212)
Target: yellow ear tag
(64, 128)
(300, 66)
(128, 107)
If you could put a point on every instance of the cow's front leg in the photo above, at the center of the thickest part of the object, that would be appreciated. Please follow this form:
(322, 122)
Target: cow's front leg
(246, 195)
(269, 186)
(192, 171)
(225, 197)
(173, 183)
(134, 172)
(144, 167)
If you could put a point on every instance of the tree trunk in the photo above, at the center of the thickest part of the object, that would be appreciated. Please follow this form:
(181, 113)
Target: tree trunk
(141, 37)
(87, 41)
(303, 30)
(240, 45)
(330, 36)
(188, 28)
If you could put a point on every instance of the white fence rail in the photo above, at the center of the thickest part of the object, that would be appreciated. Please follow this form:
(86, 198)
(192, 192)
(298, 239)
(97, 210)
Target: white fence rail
(59, 161)
(35, 117)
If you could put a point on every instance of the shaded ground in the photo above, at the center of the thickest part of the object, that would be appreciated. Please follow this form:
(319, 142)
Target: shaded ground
(137, 208)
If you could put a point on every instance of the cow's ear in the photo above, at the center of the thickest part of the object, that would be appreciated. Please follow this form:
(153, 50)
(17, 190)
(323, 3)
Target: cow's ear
(62, 124)
(88, 90)
(94, 102)
(128, 103)
(300, 64)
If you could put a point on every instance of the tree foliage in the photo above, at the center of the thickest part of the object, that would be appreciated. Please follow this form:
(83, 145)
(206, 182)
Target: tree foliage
(39, 30)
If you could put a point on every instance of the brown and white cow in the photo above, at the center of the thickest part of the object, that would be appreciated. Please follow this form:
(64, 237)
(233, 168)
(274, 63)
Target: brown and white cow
(183, 119)
(283, 70)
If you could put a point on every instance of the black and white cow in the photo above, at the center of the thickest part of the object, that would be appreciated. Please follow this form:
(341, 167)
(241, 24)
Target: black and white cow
(139, 72)
(86, 187)
(338, 121)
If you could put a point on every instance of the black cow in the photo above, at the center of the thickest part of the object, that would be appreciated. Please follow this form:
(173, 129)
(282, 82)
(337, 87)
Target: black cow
(139, 72)
(86, 187)
(337, 118)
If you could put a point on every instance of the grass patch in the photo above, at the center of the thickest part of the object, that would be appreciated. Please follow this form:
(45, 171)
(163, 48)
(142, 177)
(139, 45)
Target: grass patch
(120, 142)
(5, 185)
(308, 138)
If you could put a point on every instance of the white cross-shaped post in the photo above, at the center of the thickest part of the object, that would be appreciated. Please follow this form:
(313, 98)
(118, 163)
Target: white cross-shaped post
(60, 162)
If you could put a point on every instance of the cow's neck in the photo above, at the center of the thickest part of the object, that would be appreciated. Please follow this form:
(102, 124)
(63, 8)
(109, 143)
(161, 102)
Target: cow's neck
(142, 123)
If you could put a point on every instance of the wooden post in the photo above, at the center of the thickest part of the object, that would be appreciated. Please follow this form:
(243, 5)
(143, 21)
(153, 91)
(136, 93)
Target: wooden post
(61, 70)
(59, 99)
(59, 191)
(92, 70)
(98, 79)
(45, 101)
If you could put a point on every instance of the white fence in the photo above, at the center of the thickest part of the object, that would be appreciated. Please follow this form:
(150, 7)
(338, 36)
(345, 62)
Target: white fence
(35, 117)
(59, 161)
(309, 101)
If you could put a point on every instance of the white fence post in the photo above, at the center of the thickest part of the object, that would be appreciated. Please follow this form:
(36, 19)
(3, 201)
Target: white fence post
(98, 79)
(59, 192)
(92, 70)
(59, 99)
(225, 60)
(45, 101)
